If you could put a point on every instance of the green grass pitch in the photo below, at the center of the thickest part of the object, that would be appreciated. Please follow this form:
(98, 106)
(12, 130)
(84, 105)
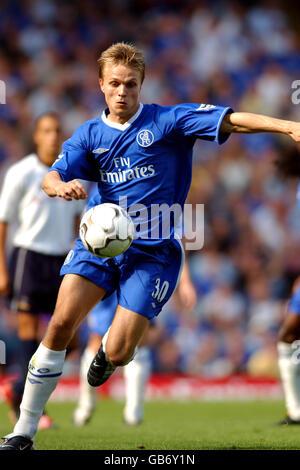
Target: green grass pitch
(169, 425)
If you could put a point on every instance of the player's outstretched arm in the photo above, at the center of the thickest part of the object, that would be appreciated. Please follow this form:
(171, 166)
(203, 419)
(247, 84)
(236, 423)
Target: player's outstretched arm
(54, 186)
(250, 123)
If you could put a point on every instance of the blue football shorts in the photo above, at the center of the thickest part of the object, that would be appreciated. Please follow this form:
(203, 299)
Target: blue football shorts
(294, 302)
(144, 277)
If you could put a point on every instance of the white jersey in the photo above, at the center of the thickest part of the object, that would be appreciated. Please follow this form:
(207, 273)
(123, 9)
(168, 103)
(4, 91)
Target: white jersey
(44, 224)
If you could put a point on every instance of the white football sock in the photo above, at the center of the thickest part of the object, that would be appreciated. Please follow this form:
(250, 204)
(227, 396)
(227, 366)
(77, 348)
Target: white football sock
(45, 369)
(289, 368)
(136, 374)
(87, 397)
(104, 340)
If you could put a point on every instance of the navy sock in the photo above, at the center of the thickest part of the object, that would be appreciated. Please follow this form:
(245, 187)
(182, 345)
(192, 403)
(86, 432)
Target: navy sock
(27, 349)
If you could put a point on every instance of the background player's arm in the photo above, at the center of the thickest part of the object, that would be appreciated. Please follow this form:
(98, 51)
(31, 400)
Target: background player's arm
(186, 291)
(4, 276)
(253, 123)
(54, 186)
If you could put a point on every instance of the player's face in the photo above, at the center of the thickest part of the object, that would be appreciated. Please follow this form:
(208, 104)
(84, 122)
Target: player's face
(47, 138)
(121, 86)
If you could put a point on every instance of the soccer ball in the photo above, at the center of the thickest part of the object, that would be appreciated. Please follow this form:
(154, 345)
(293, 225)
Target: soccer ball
(106, 230)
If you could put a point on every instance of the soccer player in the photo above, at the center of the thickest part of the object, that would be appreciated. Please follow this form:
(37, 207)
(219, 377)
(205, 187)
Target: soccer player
(140, 153)
(137, 372)
(288, 165)
(44, 234)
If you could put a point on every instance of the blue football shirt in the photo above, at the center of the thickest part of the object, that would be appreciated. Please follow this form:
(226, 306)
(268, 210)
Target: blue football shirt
(144, 165)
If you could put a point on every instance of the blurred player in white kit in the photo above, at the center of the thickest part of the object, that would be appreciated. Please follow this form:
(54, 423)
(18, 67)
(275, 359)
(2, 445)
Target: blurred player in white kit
(44, 234)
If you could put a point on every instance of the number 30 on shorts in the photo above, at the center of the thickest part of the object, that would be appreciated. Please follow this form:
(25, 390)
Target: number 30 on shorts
(160, 291)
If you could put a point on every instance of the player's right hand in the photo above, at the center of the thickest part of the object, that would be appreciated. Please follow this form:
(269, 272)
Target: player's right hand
(71, 190)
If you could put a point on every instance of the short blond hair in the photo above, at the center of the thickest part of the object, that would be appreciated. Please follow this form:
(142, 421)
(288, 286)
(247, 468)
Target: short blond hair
(125, 54)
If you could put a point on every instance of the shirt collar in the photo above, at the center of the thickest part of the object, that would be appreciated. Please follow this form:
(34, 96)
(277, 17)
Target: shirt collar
(116, 125)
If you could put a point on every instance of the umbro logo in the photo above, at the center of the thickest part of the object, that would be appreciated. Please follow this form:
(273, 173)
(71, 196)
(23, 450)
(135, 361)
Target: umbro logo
(205, 107)
(100, 150)
(61, 155)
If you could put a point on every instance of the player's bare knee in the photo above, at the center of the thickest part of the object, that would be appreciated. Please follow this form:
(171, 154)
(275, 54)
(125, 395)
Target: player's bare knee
(60, 331)
(62, 324)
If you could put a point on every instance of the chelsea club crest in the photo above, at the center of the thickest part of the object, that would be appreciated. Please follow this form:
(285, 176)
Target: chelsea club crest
(145, 138)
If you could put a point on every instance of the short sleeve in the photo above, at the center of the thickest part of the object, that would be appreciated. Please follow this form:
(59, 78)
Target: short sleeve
(75, 160)
(202, 121)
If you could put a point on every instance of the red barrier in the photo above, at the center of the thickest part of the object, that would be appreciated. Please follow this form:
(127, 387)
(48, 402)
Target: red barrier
(177, 387)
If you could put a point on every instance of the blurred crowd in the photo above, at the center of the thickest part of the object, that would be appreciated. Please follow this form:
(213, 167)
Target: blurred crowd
(196, 51)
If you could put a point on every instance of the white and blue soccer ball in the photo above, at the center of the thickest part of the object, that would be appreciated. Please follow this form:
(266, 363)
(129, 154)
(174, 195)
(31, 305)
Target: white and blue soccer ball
(106, 230)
